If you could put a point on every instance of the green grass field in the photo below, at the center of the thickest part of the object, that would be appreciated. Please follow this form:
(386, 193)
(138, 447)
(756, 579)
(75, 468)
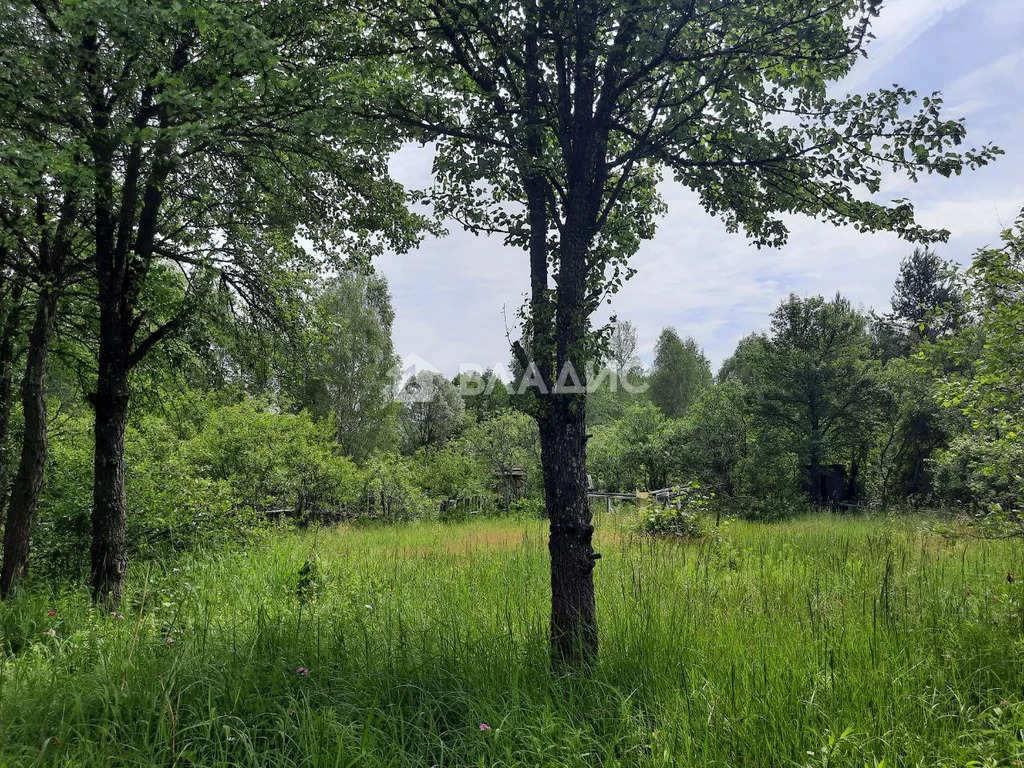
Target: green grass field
(822, 642)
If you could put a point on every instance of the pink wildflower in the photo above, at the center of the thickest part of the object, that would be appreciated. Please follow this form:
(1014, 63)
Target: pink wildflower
(485, 727)
(170, 640)
(51, 612)
(302, 672)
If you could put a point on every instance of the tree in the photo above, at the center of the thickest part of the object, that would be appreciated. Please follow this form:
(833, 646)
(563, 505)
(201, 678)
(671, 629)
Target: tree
(621, 382)
(485, 395)
(432, 411)
(350, 375)
(553, 122)
(927, 299)
(818, 383)
(746, 362)
(714, 438)
(640, 450)
(623, 349)
(927, 304)
(646, 435)
(979, 377)
(506, 444)
(680, 373)
(40, 242)
(208, 135)
(11, 310)
(911, 427)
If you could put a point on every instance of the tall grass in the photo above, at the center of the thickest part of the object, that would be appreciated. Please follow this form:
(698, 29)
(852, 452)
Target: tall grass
(823, 642)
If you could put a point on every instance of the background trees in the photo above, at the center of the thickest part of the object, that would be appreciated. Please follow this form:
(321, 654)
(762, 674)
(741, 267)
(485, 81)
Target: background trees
(680, 373)
(432, 411)
(927, 304)
(484, 394)
(818, 382)
(623, 348)
(979, 377)
(349, 375)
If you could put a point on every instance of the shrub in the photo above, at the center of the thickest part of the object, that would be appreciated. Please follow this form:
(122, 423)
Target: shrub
(274, 460)
(767, 482)
(211, 488)
(389, 492)
(683, 517)
(452, 472)
(983, 472)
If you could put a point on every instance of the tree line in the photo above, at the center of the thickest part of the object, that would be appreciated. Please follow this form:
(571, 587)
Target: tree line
(831, 406)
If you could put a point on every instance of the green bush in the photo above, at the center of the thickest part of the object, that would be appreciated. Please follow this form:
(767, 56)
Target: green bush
(767, 482)
(452, 472)
(60, 540)
(210, 487)
(274, 461)
(683, 517)
(389, 492)
(976, 470)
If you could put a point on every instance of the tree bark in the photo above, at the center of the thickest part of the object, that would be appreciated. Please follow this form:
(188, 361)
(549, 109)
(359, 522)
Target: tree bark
(29, 480)
(573, 607)
(109, 553)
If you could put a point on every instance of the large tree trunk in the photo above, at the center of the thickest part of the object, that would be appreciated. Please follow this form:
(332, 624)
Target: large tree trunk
(29, 480)
(109, 552)
(573, 608)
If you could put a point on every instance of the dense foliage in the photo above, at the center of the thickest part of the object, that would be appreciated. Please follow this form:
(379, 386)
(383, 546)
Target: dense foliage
(919, 405)
(236, 445)
(231, 443)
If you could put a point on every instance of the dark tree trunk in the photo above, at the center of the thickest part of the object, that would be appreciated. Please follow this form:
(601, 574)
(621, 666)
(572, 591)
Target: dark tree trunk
(559, 325)
(109, 553)
(563, 432)
(573, 609)
(29, 480)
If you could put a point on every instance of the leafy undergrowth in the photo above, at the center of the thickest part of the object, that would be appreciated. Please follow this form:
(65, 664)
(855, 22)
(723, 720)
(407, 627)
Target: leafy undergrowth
(824, 642)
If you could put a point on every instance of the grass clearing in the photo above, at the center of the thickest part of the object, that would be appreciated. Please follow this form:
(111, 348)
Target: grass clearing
(818, 642)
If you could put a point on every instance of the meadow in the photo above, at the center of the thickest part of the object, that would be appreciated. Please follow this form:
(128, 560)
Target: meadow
(826, 641)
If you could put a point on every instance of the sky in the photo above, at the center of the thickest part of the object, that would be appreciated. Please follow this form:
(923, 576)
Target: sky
(455, 296)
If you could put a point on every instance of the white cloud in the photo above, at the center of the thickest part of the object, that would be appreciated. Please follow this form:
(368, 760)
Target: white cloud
(900, 25)
(986, 85)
